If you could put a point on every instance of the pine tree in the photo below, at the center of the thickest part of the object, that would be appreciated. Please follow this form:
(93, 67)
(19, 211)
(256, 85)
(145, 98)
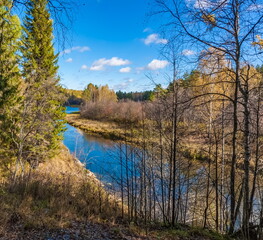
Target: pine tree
(10, 81)
(43, 111)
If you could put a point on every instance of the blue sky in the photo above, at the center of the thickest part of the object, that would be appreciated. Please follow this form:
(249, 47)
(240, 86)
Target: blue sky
(113, 42)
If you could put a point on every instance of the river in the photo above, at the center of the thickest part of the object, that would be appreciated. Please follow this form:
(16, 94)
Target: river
(117, 164)
(101, 156)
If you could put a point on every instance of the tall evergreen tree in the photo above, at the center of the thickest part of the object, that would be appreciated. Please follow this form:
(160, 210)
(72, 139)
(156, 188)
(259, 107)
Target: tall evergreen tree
(43, 112)
(10, 80)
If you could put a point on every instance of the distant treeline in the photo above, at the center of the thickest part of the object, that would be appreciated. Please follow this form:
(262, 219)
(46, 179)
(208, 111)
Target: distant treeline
(74, 97)
(135, 96)
(77, 97)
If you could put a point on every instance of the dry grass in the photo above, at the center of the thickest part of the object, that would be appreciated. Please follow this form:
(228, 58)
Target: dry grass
(58, 192)
(106, 129)
(61, 192)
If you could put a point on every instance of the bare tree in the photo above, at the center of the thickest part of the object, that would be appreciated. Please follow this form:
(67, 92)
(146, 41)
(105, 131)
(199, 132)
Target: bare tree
(229, 27)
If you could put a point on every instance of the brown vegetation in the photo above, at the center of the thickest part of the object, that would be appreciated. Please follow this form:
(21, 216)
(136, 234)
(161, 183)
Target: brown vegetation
(126, 111)
(105, 129)
(60, 199)
(55, 194)
(182, 170)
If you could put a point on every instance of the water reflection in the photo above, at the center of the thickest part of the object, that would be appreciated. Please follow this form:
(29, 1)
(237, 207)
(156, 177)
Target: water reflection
(101, 156)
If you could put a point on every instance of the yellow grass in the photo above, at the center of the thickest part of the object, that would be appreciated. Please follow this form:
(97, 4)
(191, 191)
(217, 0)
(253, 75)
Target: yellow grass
(59, 191)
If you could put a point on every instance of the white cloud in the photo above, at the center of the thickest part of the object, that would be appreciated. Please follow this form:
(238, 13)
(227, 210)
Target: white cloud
(97, 68)
(113, 62)
(125, 70)
(154, 38)
(84, 67)
(189, 3)
(188, 52)
(69, 60)
(124, 85)
(157, 64)
(83, 49)
(203, 4)
(77, 48)
(255, 7)
(147, 30)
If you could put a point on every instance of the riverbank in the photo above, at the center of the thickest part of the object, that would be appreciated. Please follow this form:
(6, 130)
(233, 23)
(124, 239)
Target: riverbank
(191, 148)
(108, 130)
(62, 200)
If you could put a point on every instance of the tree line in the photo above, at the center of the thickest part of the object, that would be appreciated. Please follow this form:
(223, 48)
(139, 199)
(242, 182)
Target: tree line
(77, 97)
(135, 96)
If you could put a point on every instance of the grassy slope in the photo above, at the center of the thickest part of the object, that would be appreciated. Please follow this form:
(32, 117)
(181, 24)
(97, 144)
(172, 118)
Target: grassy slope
(55, 194)
(61, 196)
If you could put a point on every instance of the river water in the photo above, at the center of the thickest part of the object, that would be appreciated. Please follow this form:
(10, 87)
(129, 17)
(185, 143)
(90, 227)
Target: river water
(99, 155)
(112, 161)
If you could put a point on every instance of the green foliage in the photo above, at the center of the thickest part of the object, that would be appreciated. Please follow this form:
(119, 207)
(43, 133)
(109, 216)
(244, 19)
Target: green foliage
(43, 96)
(206, 233)
(259, 68)
(134, 96)
(10, 80)
(98, 94)
(189, 79)
(90, 93)
(158, 92)
(73, 97)
(182, 231)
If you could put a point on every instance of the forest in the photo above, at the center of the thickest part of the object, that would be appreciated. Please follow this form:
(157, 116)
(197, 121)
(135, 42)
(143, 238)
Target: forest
(189, 151)
(183, 172)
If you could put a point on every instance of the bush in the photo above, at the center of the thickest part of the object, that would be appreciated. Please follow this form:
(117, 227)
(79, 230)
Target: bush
(124, 111)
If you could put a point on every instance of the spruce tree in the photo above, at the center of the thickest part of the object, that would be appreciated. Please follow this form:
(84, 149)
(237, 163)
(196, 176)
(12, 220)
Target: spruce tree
(43, 111)
(10, 82)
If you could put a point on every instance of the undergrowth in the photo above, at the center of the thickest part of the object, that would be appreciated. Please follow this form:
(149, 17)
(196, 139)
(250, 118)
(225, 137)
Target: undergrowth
(54, 195)
(45, 202)
(61, 191)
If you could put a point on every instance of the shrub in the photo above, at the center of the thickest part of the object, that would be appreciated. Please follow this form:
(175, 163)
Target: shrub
(123, 111)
